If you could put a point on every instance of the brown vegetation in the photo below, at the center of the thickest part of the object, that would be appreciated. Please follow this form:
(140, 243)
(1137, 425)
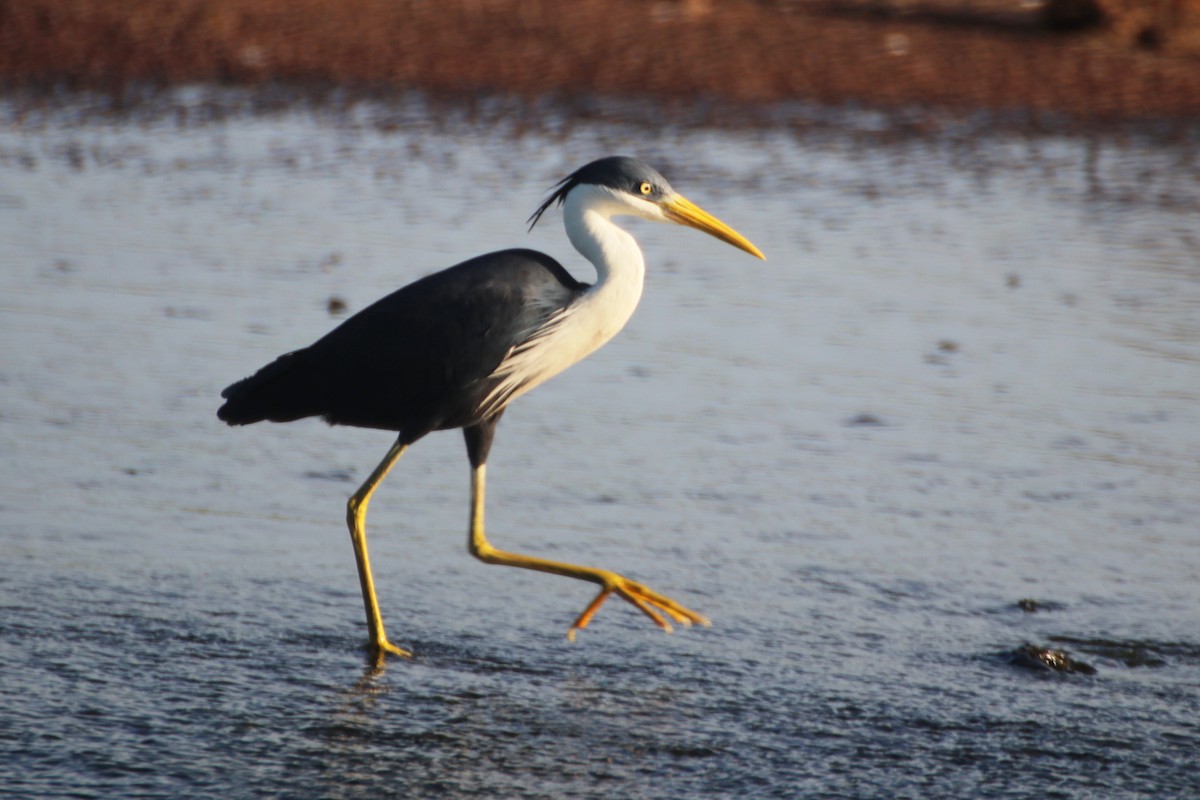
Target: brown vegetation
(1136, 60)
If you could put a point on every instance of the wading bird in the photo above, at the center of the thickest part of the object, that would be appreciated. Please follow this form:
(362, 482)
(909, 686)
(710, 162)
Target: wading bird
(453, 349)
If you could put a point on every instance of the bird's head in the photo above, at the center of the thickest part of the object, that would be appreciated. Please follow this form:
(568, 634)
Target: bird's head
(634, 188)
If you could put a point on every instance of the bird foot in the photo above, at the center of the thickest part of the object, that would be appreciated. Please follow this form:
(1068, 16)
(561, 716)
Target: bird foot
(654, 605)
(381, 648)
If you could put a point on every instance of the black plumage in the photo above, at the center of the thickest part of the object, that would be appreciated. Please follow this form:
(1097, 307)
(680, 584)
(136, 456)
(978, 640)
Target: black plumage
(418, 360)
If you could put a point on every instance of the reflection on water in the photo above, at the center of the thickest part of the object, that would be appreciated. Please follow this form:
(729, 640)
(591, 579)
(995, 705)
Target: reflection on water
(954, 413)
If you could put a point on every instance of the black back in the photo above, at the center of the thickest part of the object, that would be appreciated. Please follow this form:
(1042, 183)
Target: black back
(417, 360)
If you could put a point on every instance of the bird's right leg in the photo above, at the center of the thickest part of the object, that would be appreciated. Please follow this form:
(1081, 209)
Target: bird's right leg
(657, 607)
(660, 608)
(356, 520)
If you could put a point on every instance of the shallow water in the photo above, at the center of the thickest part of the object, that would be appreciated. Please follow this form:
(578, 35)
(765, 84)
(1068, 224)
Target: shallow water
(968, 375)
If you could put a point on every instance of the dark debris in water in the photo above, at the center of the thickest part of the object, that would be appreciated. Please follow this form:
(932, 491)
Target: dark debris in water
(864, 421)
(339, 475)
(1134, 653)
(1031, 656)
(1031, 605)
(186, 312)
(947, 346)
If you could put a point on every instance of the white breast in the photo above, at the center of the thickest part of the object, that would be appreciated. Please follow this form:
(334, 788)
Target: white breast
(570, 334)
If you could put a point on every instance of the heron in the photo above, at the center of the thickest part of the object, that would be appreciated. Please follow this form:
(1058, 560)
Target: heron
(453, 349)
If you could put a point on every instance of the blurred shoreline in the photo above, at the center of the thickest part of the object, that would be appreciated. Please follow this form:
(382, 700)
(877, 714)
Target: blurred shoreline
(957, 56)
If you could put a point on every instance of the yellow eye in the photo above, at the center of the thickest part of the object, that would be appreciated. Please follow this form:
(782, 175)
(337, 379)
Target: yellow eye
(646, 187)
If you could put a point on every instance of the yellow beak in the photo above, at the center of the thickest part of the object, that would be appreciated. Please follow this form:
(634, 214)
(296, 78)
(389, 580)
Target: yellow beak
(679, 209)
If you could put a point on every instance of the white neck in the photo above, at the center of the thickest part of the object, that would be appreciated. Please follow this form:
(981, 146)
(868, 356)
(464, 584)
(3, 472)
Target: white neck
(576, 330)
(620, 268)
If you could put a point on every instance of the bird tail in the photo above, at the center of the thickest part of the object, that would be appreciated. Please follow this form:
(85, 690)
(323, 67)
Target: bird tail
(279, 392)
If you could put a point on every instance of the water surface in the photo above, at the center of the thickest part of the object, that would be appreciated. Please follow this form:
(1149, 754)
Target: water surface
(967, 375)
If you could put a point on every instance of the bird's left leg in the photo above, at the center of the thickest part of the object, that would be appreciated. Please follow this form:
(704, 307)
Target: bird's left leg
(654, 605)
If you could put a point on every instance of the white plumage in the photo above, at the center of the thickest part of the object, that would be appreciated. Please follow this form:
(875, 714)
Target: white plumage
(568, 335)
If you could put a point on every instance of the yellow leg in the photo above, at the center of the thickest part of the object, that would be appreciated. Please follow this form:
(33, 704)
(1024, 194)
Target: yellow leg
(654, 605)
(356, 519)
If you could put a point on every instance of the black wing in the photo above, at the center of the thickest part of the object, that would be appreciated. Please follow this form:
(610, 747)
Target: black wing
(417, 360)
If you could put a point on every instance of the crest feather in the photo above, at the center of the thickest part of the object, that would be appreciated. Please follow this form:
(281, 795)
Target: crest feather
(622, 173)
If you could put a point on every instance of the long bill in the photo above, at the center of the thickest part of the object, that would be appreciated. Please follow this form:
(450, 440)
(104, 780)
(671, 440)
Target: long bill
(683, 211)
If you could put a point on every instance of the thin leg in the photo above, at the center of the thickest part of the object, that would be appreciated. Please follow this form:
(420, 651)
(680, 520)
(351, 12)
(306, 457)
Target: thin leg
(654, 605)
(356, 519)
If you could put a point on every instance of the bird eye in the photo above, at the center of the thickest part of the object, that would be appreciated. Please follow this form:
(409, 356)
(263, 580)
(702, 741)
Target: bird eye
(646, 187)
